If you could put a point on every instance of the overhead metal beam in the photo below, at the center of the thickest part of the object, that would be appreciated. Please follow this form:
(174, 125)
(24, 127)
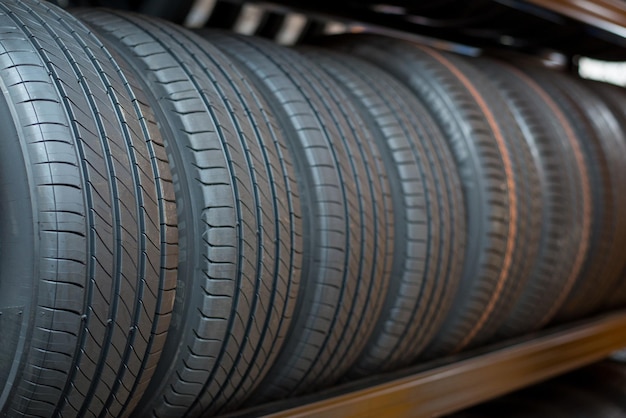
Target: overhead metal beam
(608, 15)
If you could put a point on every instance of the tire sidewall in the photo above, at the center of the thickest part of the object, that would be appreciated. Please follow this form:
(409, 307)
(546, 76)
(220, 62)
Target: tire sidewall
(19, 251)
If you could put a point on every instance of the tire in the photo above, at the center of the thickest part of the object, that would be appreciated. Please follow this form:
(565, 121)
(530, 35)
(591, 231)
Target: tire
(593, 125)
(566, 196)
(609, 126)
(241, 228)
(88, 234)
(614, 97)
(349, 223)
(498, 176)
(429, 213)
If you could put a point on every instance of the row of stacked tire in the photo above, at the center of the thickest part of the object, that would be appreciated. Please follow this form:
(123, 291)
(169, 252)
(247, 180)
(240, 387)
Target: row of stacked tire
(597, 391)
(192, 222)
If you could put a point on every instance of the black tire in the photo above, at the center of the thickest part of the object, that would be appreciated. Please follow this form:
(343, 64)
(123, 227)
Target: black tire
(429, 212)
(498, 176)
(566, 197)
(615, 97)
(88, 281)
(593, 124)
(240, 229)
(349, 222)
(608, 124)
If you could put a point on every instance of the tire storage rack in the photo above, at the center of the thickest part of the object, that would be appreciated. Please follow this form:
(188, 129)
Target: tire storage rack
(198, 223)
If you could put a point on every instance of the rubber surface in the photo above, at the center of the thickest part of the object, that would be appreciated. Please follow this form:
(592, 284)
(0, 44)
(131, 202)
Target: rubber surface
(241, 233)
(349, 225)
(429, 211)
(613, 153)
(609, 125)
(614, 97)
(595, 128)
(498, 177)
(98, 215)
(566, 197)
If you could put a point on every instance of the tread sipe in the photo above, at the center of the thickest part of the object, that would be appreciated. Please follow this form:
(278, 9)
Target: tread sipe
(348, 216)
(88, 232)
(596, 129)
(428, 206)
(565, 193)
(498, 176)
(239, 210)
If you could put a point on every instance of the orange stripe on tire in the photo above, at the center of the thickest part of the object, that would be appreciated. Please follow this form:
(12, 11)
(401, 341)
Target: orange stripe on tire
(508, 168)
(586, 189)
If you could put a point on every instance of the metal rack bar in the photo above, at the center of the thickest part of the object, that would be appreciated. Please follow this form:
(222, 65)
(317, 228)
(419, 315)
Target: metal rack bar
(609, 15)
(443, 389)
